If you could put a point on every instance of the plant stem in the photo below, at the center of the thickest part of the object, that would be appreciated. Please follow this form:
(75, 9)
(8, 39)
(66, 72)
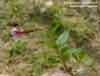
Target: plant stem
(65, 66)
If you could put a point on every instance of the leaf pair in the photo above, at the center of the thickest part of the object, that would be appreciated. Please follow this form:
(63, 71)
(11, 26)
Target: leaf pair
(77, 53)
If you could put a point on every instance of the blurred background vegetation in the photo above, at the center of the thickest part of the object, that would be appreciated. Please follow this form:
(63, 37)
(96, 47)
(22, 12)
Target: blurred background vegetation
(70, 38)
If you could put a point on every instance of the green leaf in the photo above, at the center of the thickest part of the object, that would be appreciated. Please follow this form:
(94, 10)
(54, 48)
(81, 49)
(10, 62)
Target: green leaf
(87, 60)
(56, 24)
(63, 38)
(65, 53)
(78, 54)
